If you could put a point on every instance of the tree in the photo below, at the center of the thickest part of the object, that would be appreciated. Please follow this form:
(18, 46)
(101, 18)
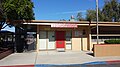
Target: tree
(2, 20)
(101, 16)
(91, 15)
(16, 10)
(119, 12)
(111, 10)
(79, 16)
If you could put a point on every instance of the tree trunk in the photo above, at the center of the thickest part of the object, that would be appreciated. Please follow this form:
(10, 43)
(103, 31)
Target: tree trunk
(0, 28)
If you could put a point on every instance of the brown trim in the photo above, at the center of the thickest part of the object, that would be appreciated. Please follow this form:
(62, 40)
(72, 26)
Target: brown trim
(47, 21)
(88, 39)
(53, 21)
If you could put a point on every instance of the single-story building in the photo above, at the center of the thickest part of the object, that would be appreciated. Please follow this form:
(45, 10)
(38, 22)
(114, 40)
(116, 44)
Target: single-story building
(70, 35)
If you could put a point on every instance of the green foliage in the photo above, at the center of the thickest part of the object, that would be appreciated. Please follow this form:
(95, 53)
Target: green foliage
(110, 11)
(114, 41)
(79, 16)
(91, 15)
(16, 10)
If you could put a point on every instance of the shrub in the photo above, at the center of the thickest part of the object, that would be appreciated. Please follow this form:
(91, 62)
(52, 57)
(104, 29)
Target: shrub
(114, 41)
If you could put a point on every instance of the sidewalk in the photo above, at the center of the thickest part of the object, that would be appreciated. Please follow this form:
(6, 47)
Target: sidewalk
(19, 59)
(53, 58)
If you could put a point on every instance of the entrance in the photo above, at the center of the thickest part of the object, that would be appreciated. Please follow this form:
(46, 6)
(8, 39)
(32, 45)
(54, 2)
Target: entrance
(60, 40)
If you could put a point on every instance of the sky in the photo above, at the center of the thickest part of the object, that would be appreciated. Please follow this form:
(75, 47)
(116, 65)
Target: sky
(61, 9)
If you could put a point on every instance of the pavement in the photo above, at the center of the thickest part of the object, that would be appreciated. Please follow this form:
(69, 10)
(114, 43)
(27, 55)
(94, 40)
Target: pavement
(42, 58)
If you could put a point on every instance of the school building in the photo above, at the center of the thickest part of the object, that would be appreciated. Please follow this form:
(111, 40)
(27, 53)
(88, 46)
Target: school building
(69, 35)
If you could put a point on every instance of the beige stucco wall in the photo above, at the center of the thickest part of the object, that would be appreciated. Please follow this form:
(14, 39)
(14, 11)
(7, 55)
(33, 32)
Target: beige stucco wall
(107, 50)
(85, 43)
(78, 43)
(92, 43)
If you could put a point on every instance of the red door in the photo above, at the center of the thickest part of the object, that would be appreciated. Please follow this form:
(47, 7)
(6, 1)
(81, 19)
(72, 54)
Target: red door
(60, 39)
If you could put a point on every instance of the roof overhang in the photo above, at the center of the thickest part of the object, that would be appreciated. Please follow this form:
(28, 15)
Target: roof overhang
(79, 23)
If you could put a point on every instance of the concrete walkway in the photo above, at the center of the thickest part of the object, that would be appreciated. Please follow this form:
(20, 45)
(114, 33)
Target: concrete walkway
(52, 57)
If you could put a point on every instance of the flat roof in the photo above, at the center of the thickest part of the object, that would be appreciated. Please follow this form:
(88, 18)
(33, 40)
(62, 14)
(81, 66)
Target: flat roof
(49, 22)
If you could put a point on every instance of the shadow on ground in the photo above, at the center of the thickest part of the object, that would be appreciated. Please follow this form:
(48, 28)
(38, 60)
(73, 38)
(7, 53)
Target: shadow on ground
(91, 54)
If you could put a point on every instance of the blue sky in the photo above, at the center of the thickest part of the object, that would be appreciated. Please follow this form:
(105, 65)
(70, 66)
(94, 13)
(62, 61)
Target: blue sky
(61, 9)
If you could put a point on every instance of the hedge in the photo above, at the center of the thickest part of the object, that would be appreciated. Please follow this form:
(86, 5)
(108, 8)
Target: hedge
(114, 41)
